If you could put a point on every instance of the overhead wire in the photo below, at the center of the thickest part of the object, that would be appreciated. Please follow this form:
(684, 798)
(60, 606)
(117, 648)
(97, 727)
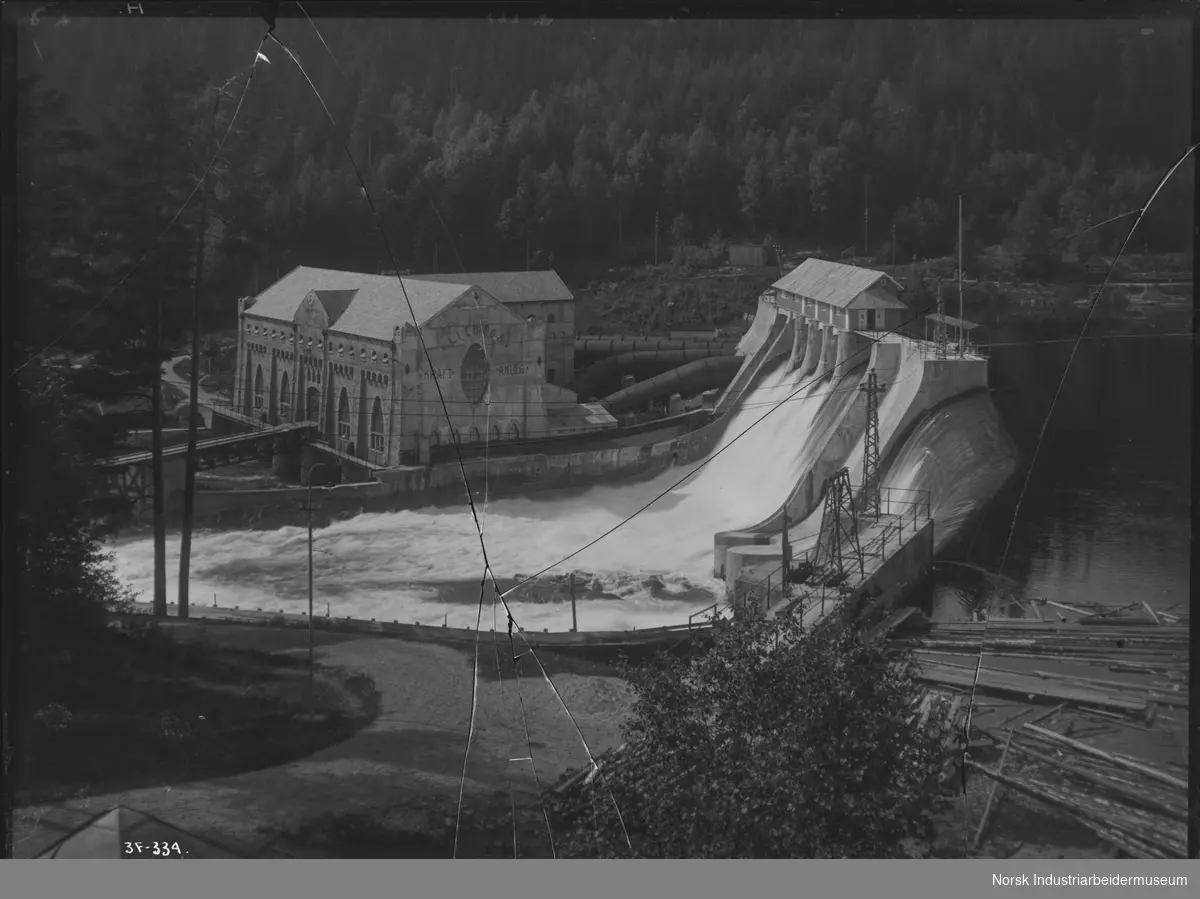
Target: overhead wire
(965, 735)
(462, 467)
(157, 240)
(708, 459)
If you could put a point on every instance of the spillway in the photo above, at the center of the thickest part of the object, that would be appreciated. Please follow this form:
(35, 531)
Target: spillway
(425, 565)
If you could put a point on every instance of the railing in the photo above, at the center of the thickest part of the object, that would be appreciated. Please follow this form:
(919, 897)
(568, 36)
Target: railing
(714, 608)
(907, 516)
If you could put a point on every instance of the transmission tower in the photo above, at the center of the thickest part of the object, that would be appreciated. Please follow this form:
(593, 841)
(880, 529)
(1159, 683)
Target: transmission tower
(870, 482)
(939, 333)
(839, 531)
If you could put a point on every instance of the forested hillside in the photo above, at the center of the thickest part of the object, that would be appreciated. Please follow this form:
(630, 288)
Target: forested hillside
(482, 143)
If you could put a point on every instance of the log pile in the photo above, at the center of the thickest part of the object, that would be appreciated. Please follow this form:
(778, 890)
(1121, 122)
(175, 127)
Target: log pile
(1136, 807)
(1155, 648)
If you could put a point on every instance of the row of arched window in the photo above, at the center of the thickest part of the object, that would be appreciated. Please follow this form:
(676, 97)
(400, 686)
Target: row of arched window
(311, 409)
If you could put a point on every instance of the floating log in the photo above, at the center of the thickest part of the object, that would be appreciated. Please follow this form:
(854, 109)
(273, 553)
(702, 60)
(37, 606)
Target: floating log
(1080, 812)
(1120, 761)
(1024, 686)
(987, 808)
(1150, 612)
(1138, 797)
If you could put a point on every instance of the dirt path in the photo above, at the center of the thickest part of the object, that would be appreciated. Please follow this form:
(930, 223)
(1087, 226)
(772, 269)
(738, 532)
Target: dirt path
(403, 768)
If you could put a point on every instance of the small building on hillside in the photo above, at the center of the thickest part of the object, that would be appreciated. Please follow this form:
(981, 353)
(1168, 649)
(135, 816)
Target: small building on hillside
(542, 295)
(845, 296)
(751, 255)
(342, 349)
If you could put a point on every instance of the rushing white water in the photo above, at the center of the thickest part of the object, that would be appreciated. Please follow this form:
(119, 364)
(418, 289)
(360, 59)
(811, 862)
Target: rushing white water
(425, 565)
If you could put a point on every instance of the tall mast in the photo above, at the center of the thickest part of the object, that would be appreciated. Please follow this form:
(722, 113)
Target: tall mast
(961, 331)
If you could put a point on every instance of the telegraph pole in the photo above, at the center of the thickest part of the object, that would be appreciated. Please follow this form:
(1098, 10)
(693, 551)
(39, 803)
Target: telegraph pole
(309, 508)
(893, 248)
(656, 238)
(961, 332)
(939, 333)
(574, 616)
(870, 483)
(866, 216)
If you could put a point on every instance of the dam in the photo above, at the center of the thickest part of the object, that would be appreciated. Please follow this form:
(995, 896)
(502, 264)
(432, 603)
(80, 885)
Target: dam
(792, 418)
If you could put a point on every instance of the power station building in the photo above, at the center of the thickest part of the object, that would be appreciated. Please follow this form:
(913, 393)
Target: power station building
(342, 349)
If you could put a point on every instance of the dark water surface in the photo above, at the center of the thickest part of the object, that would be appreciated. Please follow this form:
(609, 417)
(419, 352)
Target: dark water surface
(1106, 517)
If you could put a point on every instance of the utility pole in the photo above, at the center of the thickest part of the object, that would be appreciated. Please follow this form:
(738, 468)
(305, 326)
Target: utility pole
(870, 485)
(655, 238)
(939, 333)
(189, 478)
(310, 508)
(866, 216)
(574, 616)
(893, 248)
(961, 330)
(787, 553)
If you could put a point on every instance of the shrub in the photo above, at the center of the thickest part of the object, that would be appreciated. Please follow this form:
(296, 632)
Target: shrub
(776, 743)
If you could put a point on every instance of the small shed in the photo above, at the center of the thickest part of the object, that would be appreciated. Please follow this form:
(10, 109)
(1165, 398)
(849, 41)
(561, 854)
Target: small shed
(1097, 265)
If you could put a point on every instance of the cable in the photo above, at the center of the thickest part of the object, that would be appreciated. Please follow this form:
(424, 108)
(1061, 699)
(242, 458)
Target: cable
(966, 734)
(401, 413)
(137, 265)
(418, 177)
(461, 464)
(709, 458)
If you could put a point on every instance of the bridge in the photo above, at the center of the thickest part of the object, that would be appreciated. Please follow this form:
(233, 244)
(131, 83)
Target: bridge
(129, 475)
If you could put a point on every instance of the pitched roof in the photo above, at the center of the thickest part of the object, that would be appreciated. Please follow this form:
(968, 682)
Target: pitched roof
(334, 302)
(356, 303)
(105, 835)
(379, 306)
(830, 282)
(512, 287)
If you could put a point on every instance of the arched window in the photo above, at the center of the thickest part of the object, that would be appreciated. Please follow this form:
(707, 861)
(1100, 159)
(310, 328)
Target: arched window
(550, 318)
(514, 431)
(285, 399)
(456, 435)
(476, 437)
(495, 433)
(435, 437)
(259, 399)
(343, 416)
(377, 426)
(312, 411)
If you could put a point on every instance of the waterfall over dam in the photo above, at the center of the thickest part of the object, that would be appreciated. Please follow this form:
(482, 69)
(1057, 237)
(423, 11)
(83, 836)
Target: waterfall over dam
(789, 432)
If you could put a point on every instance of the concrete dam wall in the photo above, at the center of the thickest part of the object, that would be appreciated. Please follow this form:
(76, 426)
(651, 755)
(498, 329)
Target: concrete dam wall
(916, 382)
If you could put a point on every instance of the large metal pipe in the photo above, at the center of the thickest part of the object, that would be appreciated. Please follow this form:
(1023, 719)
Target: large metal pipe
(604, 377)
(692, 378)
(602, 347)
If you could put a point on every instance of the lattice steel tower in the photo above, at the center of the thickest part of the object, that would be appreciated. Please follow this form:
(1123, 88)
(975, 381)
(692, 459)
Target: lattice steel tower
(839, 529)
(870, 482)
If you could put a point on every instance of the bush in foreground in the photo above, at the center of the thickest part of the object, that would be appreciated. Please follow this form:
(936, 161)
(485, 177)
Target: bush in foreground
(776, 743)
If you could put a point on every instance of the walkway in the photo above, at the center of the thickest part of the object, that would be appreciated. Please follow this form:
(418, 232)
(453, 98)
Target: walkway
(404, 767)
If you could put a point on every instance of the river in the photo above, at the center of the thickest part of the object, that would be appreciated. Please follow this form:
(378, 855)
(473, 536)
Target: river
(1106, 516)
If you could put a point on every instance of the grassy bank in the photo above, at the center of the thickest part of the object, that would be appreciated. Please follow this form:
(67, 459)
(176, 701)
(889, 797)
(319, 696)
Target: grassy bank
(166, 704)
